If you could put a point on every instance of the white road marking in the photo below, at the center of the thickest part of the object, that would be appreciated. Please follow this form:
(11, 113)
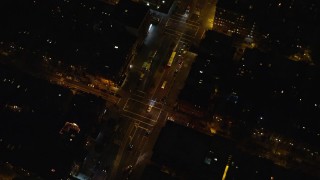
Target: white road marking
(138, 95)
(159, 114)
(140, 115)
(147, 103)
(141, 91)
(143, 128)
(137, 120)
(180, 33)
(182, 22)
(187, 41)
(130, 137)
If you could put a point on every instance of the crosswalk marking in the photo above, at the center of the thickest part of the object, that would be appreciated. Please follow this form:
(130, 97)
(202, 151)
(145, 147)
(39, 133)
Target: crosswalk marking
(138, 120)
(147, 102)
(153, 120)
(138, 96)
(179, 33)
(183, 22)
(182, 39)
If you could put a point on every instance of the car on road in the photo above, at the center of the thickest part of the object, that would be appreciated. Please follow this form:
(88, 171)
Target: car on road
(148, 132)
(58, 74)
(130, 147)
(149, 108)
(127, 171)
(128, 168)
(91, 85)
(155, 20)
(180, 64)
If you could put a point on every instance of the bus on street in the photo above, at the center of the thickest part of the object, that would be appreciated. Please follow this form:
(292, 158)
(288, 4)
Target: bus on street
(171, 58)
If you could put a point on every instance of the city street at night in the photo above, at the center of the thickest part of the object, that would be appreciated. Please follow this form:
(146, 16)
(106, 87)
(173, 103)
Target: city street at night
(170, 89)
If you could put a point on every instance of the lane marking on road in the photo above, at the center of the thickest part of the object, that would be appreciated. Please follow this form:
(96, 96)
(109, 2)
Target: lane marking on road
(139, 134)
(125, 109)
(182, 22)
(157, 86)
(147, 103)
(131, 136)
(159, 114)
(173, 32)
(187, 41)
(202, 35)
(138, 95)
(119, 100)
(153, 120)
(141, 91)
(195, 34)
(146, 129)
(194, 23)
(125, 105)
(137, 120)
(142, 140)
(179, 32)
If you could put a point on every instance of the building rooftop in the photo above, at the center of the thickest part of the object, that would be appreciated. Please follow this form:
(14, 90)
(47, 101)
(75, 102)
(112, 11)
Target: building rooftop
(282, 90)
(130, 13)
(183, 153)
(33, 112)
(73, 32)
(188, 153)
(245, 7)
(212, 63)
